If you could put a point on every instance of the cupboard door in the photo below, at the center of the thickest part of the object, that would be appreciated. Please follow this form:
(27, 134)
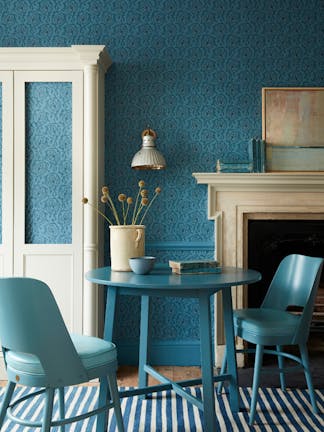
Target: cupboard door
(48, 161)
(51, 154)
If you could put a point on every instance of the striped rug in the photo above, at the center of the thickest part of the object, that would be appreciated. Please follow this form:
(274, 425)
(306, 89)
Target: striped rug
(165, 411)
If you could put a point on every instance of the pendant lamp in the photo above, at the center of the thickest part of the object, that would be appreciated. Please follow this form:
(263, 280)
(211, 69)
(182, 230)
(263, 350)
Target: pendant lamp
(148, 157)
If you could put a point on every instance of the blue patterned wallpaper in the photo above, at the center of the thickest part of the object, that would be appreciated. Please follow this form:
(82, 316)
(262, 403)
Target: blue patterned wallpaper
(193, 71)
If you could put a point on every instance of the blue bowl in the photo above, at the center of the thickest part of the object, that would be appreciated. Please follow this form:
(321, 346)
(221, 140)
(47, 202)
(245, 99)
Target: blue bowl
(142, 265)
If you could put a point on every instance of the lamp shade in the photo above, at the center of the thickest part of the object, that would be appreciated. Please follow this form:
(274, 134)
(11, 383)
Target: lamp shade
(148, 157)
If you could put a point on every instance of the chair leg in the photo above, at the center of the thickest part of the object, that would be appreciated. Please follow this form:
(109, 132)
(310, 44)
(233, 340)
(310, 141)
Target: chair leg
(256, 381)
(61, 406)
(281, 365)
(6, 401)
(116, 400)
(305, 362)
(222, 371)
(102, 418)
(48, 409)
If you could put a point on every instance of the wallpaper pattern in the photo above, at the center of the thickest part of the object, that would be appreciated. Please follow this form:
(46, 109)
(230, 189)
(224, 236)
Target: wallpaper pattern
(193, 71)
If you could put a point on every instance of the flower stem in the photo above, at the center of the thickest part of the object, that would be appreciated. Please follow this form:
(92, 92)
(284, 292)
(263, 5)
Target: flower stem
(124, 215)
(113, 209)
(135, 213)
(140, 207)
(148, 207)
(101, 213)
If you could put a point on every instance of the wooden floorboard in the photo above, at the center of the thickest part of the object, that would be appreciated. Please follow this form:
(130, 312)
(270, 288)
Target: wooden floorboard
(127, 376)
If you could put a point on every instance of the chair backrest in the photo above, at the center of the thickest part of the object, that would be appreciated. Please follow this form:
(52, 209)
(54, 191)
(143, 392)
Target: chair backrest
(30, 322)
(295, 283)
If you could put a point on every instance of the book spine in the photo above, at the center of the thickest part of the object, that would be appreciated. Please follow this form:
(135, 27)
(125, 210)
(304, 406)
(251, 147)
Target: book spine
(206, 270)
(246, 168)
(263, 157)
(193, 264)
(255, 157)
(251, 155)
(258, 155)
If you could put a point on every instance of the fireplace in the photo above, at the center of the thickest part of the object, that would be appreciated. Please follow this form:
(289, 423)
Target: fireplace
(269, 241)
(236, 202)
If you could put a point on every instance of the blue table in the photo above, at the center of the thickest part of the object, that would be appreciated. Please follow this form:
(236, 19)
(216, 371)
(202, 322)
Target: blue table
(162, 283)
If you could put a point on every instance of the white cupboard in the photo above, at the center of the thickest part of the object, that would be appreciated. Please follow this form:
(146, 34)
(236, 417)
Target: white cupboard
(52, 154)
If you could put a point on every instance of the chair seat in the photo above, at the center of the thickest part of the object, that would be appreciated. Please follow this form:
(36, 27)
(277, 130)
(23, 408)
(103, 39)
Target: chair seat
(93, 352)
(265, 326)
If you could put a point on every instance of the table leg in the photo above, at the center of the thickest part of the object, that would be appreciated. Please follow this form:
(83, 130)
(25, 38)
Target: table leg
(108, 336)
(230, 348)
(144, 341)
(207, 364)
(110, 313)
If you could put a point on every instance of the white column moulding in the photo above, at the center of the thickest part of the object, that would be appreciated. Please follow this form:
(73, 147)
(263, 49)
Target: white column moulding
(6, 247)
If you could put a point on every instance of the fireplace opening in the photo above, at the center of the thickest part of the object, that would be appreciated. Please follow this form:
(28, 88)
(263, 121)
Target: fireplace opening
(269, 241)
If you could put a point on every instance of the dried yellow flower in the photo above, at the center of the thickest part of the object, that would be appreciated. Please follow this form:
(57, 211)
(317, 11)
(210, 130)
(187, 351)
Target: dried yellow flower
(139, 210)
(145, 201)
(121, 197)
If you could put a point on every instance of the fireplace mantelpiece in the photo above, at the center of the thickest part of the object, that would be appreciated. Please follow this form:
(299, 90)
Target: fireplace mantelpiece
(233, 199)
(272, 181)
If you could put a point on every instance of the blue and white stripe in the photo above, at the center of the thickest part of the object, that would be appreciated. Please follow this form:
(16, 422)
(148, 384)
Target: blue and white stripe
(167, 412)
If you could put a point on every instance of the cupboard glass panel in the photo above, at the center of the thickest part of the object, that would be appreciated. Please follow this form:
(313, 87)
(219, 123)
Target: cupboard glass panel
(48, 110)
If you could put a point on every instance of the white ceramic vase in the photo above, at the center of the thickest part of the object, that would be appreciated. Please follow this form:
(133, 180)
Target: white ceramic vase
(126, 241)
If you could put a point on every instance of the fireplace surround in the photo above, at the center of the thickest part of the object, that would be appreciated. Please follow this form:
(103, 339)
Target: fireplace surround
(234, 200)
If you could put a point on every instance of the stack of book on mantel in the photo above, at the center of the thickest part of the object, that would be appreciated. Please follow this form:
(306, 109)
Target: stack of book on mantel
(195, 267)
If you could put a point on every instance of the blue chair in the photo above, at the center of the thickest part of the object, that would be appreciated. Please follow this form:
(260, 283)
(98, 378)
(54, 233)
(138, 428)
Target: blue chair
(294, 284)
(39, 352)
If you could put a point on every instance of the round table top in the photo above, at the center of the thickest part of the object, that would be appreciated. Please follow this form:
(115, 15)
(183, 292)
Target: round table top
(161, 280)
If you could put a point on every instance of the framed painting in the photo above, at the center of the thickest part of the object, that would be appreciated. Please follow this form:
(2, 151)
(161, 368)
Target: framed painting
(293, 128)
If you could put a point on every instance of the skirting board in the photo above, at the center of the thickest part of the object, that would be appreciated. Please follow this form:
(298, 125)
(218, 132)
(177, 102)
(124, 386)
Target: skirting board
(163, 353)
(170, 353)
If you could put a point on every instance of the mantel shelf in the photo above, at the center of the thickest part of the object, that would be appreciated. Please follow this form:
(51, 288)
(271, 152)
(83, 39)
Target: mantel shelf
(272, 181)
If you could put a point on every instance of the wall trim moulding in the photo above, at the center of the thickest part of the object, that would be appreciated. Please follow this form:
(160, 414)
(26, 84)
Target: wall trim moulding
(163, 352)
(54, 58)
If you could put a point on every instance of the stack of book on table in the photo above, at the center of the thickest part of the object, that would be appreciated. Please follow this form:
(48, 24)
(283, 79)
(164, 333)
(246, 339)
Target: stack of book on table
(195, 267)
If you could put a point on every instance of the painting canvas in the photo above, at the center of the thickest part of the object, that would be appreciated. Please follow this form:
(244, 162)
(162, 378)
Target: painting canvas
(293, 128)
